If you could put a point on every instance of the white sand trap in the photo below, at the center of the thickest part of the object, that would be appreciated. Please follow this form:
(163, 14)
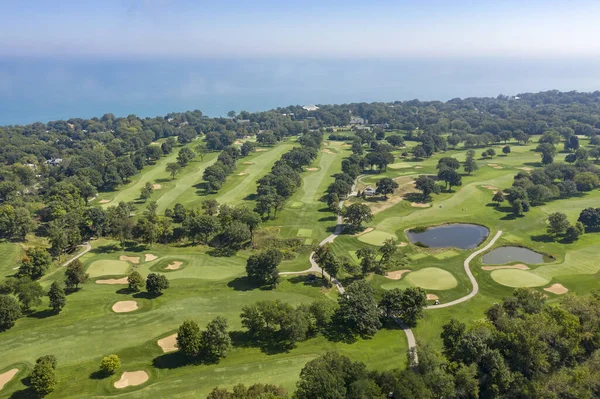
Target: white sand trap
(150, 257)
(112, 281)
(492, 164)
(526, 168)
(498, 167)
(328, 151)
(262, 149)
(364, 232)
(519, 266)
(312, 169)
(132, 259)
(248, 163)
(419, 205)
(125, 306)
(557, 289)
(432, 297)
(168, 344)
(7, 376)
(397, 274)
(402, 244)
(131, 379)
(242, 174)
(156, 187)
(104, 201)
(418, 167)
(174, 266)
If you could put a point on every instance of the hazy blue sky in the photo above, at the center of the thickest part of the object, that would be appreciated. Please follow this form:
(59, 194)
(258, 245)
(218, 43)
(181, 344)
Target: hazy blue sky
(314, 28)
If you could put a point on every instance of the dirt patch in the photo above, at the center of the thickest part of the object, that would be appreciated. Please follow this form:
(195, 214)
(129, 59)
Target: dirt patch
(498, 167)
(248, 163)
(174, 266)
(131, 379)
(420, 205)
(242, 174)
(402, 244)
(133, 259)
(493, 188)
(262, 149)
(168, 344)
(519, 266)
(557, 289)
(7, 376)
(432, 297)
(397, 274)
(328, 151)
(150, 257)
(363, 232)
(113, 281)
(312, 169)
(526, 168)
(124, 306)
(492, 164)
(156, 187)
(104, 201)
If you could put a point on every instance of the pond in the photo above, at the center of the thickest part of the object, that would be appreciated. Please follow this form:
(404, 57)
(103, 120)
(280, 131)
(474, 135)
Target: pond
(458, 235)
(504, 255)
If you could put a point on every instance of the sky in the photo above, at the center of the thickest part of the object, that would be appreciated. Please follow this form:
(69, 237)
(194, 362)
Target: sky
(308, 28)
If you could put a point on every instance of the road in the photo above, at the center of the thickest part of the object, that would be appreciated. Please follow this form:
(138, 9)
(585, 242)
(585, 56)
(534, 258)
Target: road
(87, 249)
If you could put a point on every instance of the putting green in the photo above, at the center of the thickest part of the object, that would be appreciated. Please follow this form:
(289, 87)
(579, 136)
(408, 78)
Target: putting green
(400, 165)
(518, 278)
(446, 255)
(107, 267)
(306, 233)
(375, 237)
(308, 241)
(296, 205)
(418, 256)
(432, 278)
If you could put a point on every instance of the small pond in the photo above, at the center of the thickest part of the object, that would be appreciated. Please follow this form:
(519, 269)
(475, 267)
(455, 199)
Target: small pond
(502, 255)
(458, 235)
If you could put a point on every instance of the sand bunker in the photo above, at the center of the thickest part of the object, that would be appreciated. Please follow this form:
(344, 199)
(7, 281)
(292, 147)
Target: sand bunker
(498, 167)
(113, 281)
(419, 205)
(248, 163)
(262, 149)
(493, 188)
(519, 266)
(432, 297)
(242, 174)
(7, 376)
(418, 167)
(557, 289)
(132, 259)
(238, 142)
(402, 244)
(125, 306)
(397, 274)
(526, 168)
(492, 164)
(150, 257)
(104, 201)
(312, 169)
(131, 379)
(174, 266)
(156, 187)
(168, 344)
(328, 151)
(364, 232)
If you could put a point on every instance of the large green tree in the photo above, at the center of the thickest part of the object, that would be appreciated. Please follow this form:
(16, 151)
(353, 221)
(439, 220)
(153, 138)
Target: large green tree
(358, 310)
(262, 267)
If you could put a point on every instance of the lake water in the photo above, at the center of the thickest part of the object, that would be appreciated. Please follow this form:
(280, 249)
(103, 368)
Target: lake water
(457, 235)
(43, 89)
(504, 255)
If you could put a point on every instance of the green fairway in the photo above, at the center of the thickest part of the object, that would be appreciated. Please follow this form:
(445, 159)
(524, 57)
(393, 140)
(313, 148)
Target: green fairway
(376, 237)
(432, 278)
(446, 254)
(296, 205)
(10, 254)
(518, 278)
(418, 256)
(306, 233)
(400, 165)
(107, 267)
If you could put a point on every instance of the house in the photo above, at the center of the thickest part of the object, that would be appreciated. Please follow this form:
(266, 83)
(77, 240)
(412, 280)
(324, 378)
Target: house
(354, 121)
(369, 191)
(54, 161)
(311, 107)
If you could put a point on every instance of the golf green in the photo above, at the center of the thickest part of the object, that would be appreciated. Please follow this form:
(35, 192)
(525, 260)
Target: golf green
(432, 278)
(518, 278)
(375, 237)
(418, 256)
(108, 267)
(446, 255)
(306, 233)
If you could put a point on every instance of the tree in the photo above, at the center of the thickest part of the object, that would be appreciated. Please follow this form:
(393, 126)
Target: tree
(450, 176)
(156, 283)
(110, 364)
(328, 377)
(506, 150)
(147, 190)
(57, 297)
(358, 309)
(427, 186)
(185, 156)
(470, 165)
(356, 214)
(405, 304)
(231, 114)
(557, 223)
(75, 274)
(448, 163)
(586, 181)
(386, 186)
(135, 281)
(15, 222)
(35, 263)
(215, 341)
(498, 197)
(387, 250)
(357, 147)
(419, 152)
(262, 267)
(210, 207)
(572, 143)
(189, 339)
(517, 207)
(10, 311)
(28, 292)
(590, 217)
(491, 152)
(173, 169)
(367, 257)
(43, 377)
